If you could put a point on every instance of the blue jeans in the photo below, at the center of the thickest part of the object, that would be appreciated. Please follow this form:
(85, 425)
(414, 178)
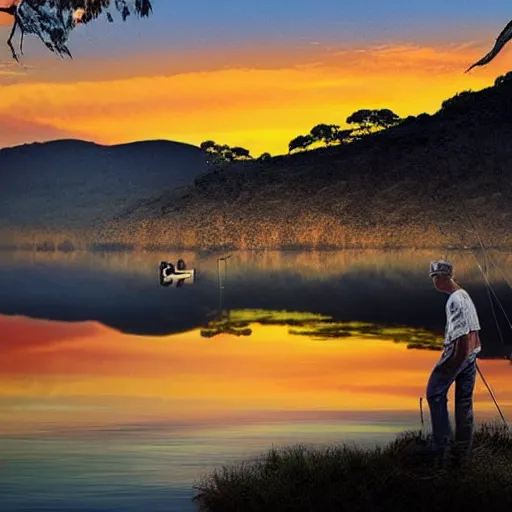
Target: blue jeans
(437, 391)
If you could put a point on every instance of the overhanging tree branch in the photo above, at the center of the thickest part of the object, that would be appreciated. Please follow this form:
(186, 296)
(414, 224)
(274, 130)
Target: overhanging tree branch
(504, 37)
(53, 20)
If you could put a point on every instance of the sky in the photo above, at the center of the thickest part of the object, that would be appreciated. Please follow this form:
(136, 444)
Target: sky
(254, 75)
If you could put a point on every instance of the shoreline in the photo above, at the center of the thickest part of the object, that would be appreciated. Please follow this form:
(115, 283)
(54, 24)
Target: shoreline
(46, 247)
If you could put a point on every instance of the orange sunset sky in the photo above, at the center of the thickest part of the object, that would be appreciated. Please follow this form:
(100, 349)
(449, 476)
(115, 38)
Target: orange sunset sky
(255, 78)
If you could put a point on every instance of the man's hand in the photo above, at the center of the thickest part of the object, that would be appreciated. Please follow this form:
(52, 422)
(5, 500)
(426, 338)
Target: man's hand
(463, 347)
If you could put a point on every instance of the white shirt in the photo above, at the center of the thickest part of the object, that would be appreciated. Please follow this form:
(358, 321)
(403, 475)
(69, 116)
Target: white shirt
(461, 318)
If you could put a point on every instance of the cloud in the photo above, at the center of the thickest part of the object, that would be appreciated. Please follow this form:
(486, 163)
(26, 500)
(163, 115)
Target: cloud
(20, 130)
(236, 97)
(9, 69)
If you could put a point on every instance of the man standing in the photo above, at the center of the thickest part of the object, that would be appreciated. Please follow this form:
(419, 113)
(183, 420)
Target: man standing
(457, 364)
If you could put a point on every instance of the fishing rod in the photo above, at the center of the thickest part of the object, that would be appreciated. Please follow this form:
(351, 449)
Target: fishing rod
(484, 274)
(492, 394)
(489, 287)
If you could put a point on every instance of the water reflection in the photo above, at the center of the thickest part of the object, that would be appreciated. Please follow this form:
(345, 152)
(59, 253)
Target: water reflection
(116, 379)
(319, 327)
(121, 290)
(94, 418)
(224, 323)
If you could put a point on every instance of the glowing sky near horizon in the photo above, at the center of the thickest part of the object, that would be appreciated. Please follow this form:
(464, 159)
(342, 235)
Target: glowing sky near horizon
(253, 74)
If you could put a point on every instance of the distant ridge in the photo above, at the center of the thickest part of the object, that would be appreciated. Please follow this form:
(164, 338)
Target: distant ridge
(71, 183)
(400, 187)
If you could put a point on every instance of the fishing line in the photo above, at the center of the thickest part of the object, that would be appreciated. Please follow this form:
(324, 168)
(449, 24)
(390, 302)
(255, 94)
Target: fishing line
(492, 394)
(489, 288)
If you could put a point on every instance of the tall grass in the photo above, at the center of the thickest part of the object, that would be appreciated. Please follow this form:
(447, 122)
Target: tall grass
(342, 478)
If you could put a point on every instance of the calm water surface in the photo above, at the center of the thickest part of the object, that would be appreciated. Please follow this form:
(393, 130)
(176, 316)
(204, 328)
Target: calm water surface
(114, 396)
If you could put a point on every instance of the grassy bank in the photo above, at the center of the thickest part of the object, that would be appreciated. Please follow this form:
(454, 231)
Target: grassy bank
(342, 478)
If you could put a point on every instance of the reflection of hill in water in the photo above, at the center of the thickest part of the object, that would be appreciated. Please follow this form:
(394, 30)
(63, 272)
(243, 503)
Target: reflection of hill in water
(321, 327)
(121, 290)
(318, 265)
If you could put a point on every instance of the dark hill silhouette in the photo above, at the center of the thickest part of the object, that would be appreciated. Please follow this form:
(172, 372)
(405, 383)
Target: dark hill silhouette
(73, 184)
(397, 187)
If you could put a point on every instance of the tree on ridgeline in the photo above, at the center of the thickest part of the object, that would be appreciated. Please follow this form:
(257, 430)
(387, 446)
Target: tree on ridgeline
(301, 143)
(264, 157)
(221, 154)
(463, 101)
(368, 121)
(503, 38)
(385, 118)
(239, 153)
(326, 133)
(344, 136)
(53, 20)
(505, 79)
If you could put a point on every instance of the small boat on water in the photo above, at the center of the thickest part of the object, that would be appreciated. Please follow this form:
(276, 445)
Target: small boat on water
(179, 273)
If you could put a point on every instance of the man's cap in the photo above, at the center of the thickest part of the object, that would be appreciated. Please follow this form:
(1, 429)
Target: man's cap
(440, 268)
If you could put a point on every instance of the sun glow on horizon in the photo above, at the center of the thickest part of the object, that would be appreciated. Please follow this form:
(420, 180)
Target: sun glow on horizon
(260, 106)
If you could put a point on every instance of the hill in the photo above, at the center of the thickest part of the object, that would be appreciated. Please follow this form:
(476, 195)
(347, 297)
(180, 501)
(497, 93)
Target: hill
(73, 184)
(398, 187)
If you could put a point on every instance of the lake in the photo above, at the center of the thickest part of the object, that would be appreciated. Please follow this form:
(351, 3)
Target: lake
(118, 394)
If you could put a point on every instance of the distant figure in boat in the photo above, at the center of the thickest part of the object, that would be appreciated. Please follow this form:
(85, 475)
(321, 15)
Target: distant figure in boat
(169, 273)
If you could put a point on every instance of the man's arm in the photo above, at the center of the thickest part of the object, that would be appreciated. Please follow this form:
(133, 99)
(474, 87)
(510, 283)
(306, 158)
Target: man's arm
(463, 346)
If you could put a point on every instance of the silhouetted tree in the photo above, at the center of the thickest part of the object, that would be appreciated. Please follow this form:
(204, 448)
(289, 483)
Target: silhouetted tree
(264, 157)
(408, 120)
(217, 153)
(505, 79)
(53, 20)
(211, 149)
(208, 146)
(461, 102)
(327, 133)
(240, 153)
(362, 118)
(385, 118)
(300, 142)
(369, 120)
(502, 39)
(344, 136)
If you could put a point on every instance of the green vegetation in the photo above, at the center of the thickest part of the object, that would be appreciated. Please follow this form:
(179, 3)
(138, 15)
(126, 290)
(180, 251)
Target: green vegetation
(415, 338)
(342, 478)
(236, 322)
(268, 317)
(222, 153)
(53, 20)
(366, 121)
(320, 327)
